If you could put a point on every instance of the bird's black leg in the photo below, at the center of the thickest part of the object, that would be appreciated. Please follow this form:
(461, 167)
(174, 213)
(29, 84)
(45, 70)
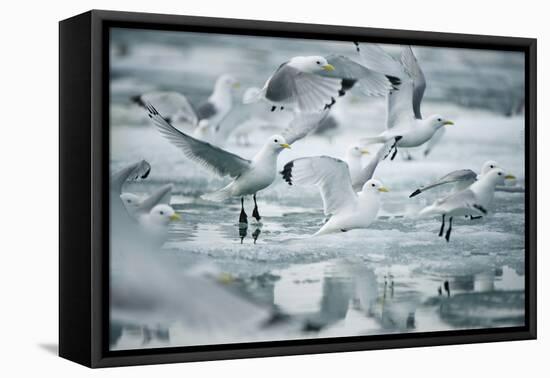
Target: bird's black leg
(243, 218)
(394, 153)
(442, 225)
(255, 212)
(448, 234)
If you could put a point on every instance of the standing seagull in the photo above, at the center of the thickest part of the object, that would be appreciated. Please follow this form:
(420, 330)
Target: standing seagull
(404, 122)
(462, 178)
(474, 200)
(249, 176)
(348, 210)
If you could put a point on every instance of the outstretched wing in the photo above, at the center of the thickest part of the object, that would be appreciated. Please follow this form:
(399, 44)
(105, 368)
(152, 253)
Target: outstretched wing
(217, 160)
(464, 176)
(302, 125)
(411, 66)
(310, 92)
(170, 105)
(368, 171)
(139, 170)
(371, 83)
(329, 174)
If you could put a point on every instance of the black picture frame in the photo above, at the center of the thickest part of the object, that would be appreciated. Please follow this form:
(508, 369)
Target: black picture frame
(83, 195)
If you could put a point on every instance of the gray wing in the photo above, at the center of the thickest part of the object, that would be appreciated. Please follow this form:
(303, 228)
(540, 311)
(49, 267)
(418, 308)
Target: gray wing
(368, 171)
(330, 175)
(159, 196)
(464, 176)
(310, 92)
(302, 125)
(371, 83)
(139, 170)
(411, 66)
(206, 110)
(217, 160)
(170, 105)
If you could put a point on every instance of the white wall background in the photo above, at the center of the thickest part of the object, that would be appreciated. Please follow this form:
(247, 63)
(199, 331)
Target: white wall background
(28, 152)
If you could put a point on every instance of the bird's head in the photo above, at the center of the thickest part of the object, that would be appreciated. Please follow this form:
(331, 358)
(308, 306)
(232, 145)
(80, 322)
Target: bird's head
(488, 165)
(437, 121)
(311, 64)
(227, 82)
(356, 151)
(277, 143)
(497, 176)
(163, 214)
(374, 186)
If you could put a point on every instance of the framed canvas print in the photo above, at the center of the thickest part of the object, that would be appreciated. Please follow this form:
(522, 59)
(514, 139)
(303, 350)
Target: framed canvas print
(233, 188)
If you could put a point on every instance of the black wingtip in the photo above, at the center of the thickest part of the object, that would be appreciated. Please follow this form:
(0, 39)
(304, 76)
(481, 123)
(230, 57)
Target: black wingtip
(287, 172)
(332, 102)
(395, 81)
(146, 174)
(415, 193)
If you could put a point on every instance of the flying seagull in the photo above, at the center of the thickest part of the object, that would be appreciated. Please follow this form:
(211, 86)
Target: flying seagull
(249, 176)
(204, 120)
(404, 122)
(474, 200)
(462, 178)
(347, 209)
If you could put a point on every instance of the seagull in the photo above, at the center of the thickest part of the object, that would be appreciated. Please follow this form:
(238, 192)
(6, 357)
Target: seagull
(203, 121)
(462, 178)
(136, 205)
(404, 122)
(348, 210)
(312, 83)
(474, 200)
(249, 176)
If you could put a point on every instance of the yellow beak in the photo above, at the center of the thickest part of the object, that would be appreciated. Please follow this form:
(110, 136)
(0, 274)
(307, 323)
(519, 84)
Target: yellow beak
(510, 177)
(383, 189)
(175, 217)
(448, 123)
(285, 145)
(364, 151)
(328, 67)
(237, 85)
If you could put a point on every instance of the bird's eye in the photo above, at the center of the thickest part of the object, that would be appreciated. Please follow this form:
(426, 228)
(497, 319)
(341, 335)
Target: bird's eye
(491, 166)
(276, 141)
(439, 119)
(162, 213)
(318, 62)
(500, 174)
(373, 185)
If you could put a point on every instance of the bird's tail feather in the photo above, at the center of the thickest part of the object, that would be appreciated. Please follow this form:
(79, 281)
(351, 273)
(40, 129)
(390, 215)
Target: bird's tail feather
(374, 140)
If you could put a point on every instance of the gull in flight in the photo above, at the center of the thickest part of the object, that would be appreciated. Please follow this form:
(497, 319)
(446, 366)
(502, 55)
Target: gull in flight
(404, 122)
(312, 83)
(249, 176)
(474, 200)
(347, 209)
(203, 121)
(462, 178)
